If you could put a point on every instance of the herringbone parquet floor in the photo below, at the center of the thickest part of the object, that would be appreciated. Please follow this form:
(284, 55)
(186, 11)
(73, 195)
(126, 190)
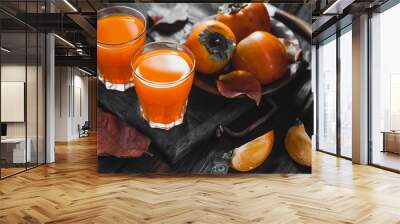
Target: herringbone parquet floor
(71, 191)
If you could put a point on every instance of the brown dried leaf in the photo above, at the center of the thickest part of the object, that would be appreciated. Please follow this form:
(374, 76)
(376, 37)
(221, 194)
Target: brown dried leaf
(117, 138)
(239, 83)
(167, 20)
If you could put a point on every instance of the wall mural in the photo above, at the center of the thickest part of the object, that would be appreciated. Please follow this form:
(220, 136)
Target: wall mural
(204, 88)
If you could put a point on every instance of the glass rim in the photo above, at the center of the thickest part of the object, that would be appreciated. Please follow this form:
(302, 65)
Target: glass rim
(164, 84)
(128, 8)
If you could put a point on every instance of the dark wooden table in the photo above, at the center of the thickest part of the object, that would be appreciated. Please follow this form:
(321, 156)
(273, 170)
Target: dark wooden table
(391, 141)
(194, 147)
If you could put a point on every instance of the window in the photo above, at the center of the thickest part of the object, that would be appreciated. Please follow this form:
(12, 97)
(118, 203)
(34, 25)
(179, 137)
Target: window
(394, 102)
(385, 89)
(22, 75)
(314, 88)
(327, 96)
(346, 75)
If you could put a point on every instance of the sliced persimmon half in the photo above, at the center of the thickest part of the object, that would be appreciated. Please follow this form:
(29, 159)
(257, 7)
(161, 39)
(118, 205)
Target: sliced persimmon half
(252, 154)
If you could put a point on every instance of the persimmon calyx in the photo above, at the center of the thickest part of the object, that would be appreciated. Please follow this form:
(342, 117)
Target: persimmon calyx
(231, 8)
(219, 47)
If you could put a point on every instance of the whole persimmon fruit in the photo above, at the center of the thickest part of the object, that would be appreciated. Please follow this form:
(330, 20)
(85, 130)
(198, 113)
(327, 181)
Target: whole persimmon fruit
(212, 44)
(252, 154)
(244, 18)
(263, 55)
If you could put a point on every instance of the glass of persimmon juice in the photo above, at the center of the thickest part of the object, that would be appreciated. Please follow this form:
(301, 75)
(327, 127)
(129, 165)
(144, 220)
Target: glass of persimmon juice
(121, 31)
(164, 74)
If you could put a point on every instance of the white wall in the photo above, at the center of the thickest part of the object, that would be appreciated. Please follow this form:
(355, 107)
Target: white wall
(80, 112)
(16, 73)
(33, 127)
(61, 103)
(12, 73)
(71, 102)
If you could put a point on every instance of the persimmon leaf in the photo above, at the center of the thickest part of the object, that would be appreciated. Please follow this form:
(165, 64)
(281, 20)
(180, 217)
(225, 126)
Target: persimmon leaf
(239, 83)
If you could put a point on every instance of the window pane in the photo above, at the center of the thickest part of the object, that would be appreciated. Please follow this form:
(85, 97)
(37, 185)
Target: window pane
(385, 84)
(314, 82)
(327, 96)
(31, 98)
(15, 150)
(346, 94)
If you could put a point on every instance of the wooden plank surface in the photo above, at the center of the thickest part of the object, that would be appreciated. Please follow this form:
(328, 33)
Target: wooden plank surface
(192, 147)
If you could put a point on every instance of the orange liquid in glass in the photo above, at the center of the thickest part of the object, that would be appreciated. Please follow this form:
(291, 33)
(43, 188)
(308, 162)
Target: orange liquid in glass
(113, 58)
(164, 99)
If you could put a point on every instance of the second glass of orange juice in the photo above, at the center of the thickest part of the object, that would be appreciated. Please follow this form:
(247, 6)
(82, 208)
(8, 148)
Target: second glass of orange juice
(121, 31)
(163, 78)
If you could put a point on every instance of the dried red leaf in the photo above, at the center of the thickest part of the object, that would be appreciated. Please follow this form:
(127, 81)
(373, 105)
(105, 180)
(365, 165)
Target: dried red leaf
(117, 138)
(168, 20)
(239, 83)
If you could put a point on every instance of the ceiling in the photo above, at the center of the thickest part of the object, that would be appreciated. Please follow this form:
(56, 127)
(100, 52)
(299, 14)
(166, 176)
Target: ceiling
(22, 23)
(332, 15)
